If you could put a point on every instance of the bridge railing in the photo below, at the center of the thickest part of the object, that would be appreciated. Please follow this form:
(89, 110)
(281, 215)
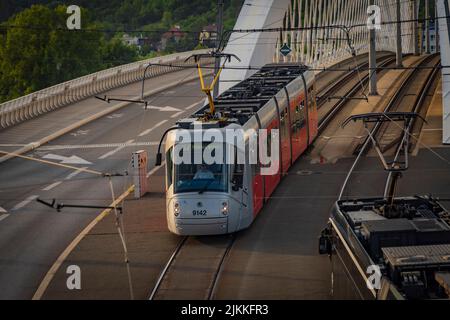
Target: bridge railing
(63, 94)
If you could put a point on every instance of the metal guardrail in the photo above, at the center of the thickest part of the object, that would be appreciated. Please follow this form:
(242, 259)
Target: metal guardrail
(63, 94)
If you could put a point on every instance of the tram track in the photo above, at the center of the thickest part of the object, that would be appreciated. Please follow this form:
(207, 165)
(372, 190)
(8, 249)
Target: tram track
(214, 253)
(402, 100)
(337, 107)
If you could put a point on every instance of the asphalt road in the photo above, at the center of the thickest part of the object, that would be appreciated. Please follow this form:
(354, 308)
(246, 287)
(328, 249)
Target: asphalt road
(31, 235)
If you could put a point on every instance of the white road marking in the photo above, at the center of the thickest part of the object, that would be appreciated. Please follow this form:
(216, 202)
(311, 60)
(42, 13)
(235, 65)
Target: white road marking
(151, 129)
(110, 153)
(115, 116)
(24, 202)
(2, 210)
(66, 160)
(194, 104)
(164, 109)
(168, 92)
(80, 133)
(75, 173)
(97, 146)
(176, 115)
(8, 145)
(57, 183)
(4, 216)
(53, 185)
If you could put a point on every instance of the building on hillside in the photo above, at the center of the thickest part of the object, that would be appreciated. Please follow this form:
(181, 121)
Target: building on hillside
(174, 34)
(208, 36)
(130, 40)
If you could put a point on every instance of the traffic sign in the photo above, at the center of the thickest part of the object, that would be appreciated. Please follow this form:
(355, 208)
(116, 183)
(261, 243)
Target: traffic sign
(285, 50)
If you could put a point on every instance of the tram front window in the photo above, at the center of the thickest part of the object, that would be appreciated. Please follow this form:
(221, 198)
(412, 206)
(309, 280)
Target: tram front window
(200, 178)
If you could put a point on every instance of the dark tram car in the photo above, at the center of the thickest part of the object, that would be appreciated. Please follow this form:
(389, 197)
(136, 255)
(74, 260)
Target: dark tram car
(389, 251)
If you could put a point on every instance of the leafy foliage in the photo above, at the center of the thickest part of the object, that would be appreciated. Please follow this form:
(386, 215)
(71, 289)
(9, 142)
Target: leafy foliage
(36, 58)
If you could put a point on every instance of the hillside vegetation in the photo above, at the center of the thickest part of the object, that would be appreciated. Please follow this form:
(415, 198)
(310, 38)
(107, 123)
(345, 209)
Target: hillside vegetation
(37, 50)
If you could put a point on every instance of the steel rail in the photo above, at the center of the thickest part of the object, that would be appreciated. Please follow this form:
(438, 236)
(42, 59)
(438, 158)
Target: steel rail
(419, 103)
(323, 123)
(375, 129)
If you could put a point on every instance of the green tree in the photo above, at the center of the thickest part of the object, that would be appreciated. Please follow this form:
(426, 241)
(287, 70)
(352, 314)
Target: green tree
(116, 53)
(45, 54)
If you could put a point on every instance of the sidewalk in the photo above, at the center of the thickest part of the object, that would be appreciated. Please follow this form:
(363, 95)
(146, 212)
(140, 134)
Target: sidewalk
(100, 254)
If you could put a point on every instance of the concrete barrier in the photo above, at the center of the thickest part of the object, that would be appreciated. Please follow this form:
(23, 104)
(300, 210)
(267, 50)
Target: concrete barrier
(46, 100)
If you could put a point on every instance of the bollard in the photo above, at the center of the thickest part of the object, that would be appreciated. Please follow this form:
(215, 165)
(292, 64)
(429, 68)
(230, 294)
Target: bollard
(139, 164)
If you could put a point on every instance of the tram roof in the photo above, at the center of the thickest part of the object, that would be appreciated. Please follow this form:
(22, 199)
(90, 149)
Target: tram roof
(239, 103)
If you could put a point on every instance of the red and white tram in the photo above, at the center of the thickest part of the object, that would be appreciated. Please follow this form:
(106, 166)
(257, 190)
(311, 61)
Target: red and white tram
(221, 198)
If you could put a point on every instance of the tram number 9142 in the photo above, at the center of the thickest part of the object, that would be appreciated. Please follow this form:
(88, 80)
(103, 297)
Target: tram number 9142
(199, 212)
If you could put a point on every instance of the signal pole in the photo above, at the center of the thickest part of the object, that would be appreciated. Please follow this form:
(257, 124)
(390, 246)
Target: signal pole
(427, 26)
(436, 27)
(415, 18)
(372, 60)
(218, 38)
(399, 36)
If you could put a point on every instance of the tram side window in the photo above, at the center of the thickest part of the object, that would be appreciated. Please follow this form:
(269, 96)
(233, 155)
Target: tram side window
(284, 127)
(269, 143)
(299, 120)
(312, 98)
(169, 168)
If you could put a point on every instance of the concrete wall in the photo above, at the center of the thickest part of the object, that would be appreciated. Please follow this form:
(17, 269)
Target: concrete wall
(254, 49)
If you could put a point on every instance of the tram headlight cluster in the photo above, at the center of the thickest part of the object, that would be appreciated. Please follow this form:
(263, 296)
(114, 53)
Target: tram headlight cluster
(176, 209)
(225, 208)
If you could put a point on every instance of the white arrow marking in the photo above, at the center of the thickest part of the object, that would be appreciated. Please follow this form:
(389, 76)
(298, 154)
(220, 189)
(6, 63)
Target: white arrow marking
(2, 210)
(66, 160)
(164, 109)
(4, 216)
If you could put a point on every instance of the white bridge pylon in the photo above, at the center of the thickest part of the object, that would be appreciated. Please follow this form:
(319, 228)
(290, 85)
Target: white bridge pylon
(319, 40)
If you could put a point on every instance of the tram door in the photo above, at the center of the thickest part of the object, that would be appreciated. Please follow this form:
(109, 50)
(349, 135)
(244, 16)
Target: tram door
(239, 184)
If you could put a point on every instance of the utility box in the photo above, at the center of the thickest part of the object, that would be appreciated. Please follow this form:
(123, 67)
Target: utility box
(139, 163)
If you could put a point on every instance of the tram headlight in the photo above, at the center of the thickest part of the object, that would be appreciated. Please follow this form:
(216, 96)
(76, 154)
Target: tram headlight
(225, 208)
(176, 209)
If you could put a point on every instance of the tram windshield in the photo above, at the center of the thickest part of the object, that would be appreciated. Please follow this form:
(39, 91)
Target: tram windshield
(200, 177)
